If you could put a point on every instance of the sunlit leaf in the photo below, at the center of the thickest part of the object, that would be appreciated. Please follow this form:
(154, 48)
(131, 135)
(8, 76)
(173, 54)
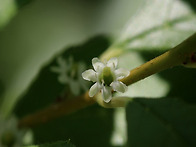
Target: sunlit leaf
(159, 25)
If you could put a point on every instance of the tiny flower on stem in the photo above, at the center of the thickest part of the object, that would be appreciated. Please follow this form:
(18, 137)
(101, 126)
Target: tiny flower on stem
(106, 76)
(70, 73)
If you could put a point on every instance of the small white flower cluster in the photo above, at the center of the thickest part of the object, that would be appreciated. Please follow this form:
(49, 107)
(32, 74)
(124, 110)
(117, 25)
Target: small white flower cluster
(106, 76)
(70, 74)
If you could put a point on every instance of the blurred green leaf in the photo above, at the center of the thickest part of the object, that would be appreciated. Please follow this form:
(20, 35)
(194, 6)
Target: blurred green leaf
(56, 144)
(192, 3)
(21, 3)
(2, 88)
(161, 122)
(160, 25)
(8, 9)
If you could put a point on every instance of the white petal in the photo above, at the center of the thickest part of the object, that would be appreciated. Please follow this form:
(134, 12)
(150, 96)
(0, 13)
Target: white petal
(70, 62)
(118, 86)
(89, 75)
(56, 69)
(107, 93)
(94, 89)
(121, 73)
(112, 63)
(97, 64)
(61, 61)
(63, 79)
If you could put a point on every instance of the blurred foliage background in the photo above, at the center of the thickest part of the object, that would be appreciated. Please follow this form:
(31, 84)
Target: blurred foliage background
(34, 33)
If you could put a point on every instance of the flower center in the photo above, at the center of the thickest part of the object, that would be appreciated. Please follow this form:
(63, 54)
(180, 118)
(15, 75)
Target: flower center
(107, 76)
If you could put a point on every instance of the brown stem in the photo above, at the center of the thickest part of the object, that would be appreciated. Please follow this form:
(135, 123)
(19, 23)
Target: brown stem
(179, 55)
(56, 110)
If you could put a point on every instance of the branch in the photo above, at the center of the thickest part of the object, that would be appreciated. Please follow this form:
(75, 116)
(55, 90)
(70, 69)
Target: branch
(183, 54)
(56, 110)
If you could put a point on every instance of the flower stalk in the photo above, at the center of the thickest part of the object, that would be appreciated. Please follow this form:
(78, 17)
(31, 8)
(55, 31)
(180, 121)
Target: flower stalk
(179, 55)
(56, 110)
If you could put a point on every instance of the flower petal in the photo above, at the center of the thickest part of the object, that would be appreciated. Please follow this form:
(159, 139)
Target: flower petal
(75, 87)
(61, 61)
(106, 93)
(70, 62)
(121, 73)
(56, 69)
(97, 64)
(63, 79)
(94, 89)
(89, 75)
(112, 63)
(118, 86)
(63, 64)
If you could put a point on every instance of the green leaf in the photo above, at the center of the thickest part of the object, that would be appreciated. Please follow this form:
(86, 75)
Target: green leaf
(92, 126)
(8, 9)
(161, 122)
(21, 3)
(160, 25)
(192, 3)
(56, 144)
(2, 88)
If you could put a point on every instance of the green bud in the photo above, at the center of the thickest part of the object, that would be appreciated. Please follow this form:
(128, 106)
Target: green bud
(107, 76)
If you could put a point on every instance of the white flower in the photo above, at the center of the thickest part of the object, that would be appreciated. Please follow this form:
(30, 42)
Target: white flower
(106, 77)
(70, 73)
